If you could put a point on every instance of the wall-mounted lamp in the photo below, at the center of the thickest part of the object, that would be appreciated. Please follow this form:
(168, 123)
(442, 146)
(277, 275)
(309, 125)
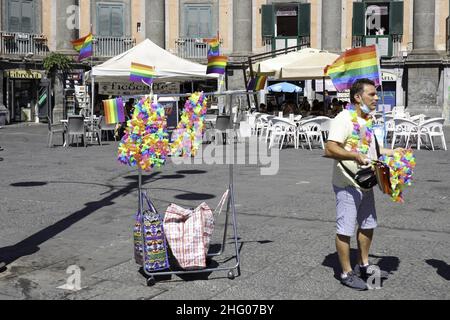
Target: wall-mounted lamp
(138, 27)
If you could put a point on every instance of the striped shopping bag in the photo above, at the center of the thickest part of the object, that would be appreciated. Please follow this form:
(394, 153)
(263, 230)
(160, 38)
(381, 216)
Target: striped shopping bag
(188, 233)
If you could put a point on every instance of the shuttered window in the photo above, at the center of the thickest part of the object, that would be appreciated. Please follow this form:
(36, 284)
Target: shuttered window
(21, 16)
(110, 20)
(358, 22)
(198, 21)
(396, 17)
(304, 19)
(268, 21)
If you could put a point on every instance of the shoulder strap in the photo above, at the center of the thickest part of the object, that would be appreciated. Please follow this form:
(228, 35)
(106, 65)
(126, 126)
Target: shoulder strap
(377, 145)
(351, 174)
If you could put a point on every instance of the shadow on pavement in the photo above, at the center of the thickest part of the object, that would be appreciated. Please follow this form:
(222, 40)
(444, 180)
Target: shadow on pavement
(442, 268)
(386, 263)
(195, 196)
(31, 244)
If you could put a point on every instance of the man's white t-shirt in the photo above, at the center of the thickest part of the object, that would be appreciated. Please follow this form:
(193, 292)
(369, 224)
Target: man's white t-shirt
(341, 129)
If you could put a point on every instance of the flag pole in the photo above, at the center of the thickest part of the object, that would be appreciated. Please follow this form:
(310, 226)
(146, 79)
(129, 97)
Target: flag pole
(382, 96)
(92, 91)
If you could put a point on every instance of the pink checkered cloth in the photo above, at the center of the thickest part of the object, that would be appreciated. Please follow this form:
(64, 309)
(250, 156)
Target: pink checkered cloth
(188, 233)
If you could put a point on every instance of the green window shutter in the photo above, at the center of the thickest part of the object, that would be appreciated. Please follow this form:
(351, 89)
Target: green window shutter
(358, 25)
(304, 19)
(117, 26)
(396, 17)
(268, 21)
(104, 20)
(14, 15)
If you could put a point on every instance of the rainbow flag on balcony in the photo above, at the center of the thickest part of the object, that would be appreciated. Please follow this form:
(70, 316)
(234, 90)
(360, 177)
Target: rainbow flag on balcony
(84, 47)
(140, 72)
(355, 64)
(114, 111)
(214, 48)
(258, 83)
(217, 64)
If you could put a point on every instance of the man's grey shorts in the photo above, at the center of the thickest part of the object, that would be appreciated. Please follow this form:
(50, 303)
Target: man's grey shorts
(354, 206)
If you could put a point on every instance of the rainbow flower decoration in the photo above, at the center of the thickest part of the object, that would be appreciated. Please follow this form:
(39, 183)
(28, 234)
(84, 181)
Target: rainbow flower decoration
(401, 169)
(145, 143)
(188, 136)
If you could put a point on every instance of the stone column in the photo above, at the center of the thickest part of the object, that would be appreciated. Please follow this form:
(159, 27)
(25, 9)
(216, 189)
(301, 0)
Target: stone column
(423, 24)
(423, 62)
(242, 27)
(331, 25)
(154, 21)
(65, 32)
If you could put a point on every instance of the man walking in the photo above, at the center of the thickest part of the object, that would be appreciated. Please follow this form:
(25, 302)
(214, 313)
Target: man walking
(351, 137)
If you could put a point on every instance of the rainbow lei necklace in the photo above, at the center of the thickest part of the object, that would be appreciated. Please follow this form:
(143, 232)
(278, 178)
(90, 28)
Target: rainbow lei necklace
(360, 144)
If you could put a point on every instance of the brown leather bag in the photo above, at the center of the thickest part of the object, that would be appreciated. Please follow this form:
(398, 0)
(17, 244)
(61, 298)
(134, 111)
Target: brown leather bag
(383, 177)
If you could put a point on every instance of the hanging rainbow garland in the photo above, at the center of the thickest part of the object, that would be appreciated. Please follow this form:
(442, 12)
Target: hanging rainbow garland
(401, 169)
(145, 143)
(188, 136)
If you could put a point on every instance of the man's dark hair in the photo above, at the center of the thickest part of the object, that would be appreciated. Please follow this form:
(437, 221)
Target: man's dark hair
(358, 88)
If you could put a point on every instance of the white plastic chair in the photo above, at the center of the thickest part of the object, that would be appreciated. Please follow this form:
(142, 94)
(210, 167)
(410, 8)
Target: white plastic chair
(404, 128)
(312, 132)
(251, 120)
(281, 131)
(245, 130)
(432, 128)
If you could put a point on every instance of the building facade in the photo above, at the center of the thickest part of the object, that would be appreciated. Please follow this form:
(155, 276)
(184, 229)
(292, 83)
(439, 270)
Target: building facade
(412, 35)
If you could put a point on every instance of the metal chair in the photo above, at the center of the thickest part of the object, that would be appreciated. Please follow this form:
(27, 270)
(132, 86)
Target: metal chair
(75, 127)
(54, 128)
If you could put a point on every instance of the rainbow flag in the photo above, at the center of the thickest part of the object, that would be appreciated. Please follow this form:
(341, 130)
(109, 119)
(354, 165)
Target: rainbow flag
(141, 72)
(217, 64)
(214, 48)
(355, 64)
(114, 111)
(256, 84)
(84, 47)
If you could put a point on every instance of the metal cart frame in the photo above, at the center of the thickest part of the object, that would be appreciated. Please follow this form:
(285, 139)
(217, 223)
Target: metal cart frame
(233, 271)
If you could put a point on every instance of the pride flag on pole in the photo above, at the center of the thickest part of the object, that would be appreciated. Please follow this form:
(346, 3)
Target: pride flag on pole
(217, 64)
(140, 72)
(257, 84)
(84, 47)
(214, 47)
(114, 111)
(355, 64)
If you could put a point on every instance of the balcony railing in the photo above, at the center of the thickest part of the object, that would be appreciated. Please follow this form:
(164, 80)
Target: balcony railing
(105, 47)
(192, 48)
(17, 43)
(389, 46)
(278, 43)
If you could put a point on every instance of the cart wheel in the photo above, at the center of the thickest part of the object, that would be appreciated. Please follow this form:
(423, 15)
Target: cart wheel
(151, 282)
(231, 275)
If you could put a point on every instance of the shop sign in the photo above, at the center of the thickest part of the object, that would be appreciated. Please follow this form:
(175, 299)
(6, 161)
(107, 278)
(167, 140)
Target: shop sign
(388, 76)
(130, 89)
(23, 74)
